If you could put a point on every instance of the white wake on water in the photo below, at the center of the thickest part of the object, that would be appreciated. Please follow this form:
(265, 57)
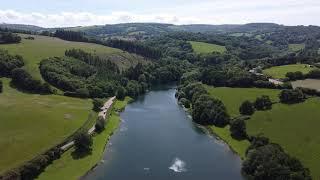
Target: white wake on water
(178, 165)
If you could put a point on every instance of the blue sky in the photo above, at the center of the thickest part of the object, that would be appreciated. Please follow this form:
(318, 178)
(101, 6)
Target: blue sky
(90, 12)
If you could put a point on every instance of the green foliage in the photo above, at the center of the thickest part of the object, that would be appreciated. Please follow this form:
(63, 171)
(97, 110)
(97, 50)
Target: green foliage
(97, 104)
(121, 93)
(238, 129)
(290, 96)
(8, 37)
(24, 81)
(100, 124)
(292, 76)
(263, 103)
(246, 108)
(8, 63)
(271, 162)
(185, 102)
(294, 127)
(83, 142)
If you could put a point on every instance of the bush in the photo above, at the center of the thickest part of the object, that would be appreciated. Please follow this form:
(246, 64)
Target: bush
(271, 162)
(314, 74)
(246, 108)
(83, 142)
(24, 81)
(8, 63)
(185, 102)
(238, 129)
(263, 103)
(292, 76)
(100, 124)
(290, 96)
(97, 104)
(121, 93)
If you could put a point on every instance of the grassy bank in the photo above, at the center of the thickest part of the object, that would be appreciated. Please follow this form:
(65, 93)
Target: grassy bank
(295, 128)
(204, 48)
(69, 167)
(238, 147)
(32, 123)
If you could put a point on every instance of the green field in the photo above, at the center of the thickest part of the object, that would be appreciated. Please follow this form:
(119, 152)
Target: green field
(233, 97)
(295, 128)
(33, 51)
(32, 123)
(205, 48)
(296, 47)
(279, 72)
(238, 147)
(69, 168)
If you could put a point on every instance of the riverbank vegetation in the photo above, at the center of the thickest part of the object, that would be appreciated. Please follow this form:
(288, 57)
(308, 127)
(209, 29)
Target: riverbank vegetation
(70, 166)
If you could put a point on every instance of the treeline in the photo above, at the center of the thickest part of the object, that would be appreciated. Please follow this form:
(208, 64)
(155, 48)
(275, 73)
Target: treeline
(8, 37)
(298, 75)
(206, 110)
(82, 74)
(32, 169)
(236, 77)
(71, 35)
(130, 46)
(22, 80)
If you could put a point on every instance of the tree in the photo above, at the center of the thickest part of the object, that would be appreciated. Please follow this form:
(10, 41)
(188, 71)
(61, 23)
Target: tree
(121, 93)
(83, 142)
(185, 102)
(271, 162)
(263, 103)
(100, 124)
(290, 96)
(292, 76)
(97, 105)
(238, 129)
(246, 108)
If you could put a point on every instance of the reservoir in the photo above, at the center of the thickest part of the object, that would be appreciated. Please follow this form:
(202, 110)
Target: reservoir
(157, 140)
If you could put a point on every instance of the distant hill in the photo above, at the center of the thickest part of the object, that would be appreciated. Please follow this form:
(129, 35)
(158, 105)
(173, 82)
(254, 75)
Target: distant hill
(22, 27)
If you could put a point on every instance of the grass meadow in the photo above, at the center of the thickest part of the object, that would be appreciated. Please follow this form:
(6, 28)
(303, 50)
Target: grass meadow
(296, 47)
(205, 48)
(295, 128)
(279, 72)
(31, 123)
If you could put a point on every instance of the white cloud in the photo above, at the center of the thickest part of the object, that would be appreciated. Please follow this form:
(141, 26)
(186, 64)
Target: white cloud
(290, 12)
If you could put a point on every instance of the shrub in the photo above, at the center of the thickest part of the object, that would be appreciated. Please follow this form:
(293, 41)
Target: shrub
(263, 103)
(238, 129)
(246, 108)
(271, 162)
(97, 104)
(292, 76)
(100, 124)
(121, 93)
(185, 102)
(290, 96)
(83, 142)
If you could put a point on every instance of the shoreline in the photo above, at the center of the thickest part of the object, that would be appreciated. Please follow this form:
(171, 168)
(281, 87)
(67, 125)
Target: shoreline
(68, 167)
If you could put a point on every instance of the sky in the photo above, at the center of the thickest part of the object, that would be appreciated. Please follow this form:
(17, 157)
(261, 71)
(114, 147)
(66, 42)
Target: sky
(67, 13)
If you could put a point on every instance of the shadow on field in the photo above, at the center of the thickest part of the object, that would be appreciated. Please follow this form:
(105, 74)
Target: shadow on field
(80, 154)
